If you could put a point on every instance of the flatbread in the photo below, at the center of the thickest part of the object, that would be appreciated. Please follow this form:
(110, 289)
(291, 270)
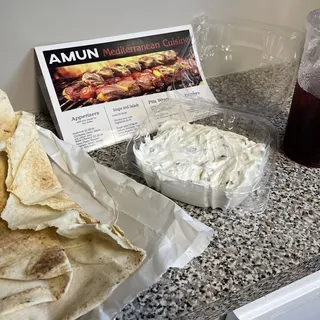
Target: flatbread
(56, 262)
(8, 118)
(32, 184)
(3, 174)
(30, 175)
(37, 217)
(34, 269)
(8, 123)
(99, 265)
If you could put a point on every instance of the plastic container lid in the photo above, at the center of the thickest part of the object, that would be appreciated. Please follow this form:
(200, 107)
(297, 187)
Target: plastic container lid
(252, 197)
(249, 66)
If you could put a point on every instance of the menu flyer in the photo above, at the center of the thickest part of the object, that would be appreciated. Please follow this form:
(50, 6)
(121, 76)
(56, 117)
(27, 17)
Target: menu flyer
(99, 91)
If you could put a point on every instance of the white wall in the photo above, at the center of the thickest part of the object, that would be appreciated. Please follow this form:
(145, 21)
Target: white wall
(26, 24)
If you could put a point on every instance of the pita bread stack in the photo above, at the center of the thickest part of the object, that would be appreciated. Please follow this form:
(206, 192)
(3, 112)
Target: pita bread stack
(56, 262)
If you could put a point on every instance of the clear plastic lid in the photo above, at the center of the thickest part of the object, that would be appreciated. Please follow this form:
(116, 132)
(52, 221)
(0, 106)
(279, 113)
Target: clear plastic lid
(249, 66)
(252, 195)
(309, 72)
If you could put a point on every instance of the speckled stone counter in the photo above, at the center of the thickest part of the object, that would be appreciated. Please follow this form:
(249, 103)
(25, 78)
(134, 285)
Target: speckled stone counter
(249, 256)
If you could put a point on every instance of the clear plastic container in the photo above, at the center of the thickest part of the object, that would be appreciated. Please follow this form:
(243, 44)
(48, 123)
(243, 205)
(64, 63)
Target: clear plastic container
(254, 197)
(248, 65)
(302, 137)
(227, 50)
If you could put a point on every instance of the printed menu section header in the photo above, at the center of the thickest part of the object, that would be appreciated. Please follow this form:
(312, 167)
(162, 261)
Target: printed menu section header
(116, 49)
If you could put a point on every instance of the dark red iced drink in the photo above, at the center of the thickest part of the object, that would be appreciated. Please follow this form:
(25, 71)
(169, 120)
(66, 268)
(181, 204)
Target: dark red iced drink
(302, 137)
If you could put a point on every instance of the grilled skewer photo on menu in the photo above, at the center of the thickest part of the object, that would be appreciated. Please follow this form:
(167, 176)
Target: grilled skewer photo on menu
(79, 86)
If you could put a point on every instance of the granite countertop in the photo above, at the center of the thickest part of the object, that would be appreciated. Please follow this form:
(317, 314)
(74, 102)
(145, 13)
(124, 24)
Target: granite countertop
(249, 256)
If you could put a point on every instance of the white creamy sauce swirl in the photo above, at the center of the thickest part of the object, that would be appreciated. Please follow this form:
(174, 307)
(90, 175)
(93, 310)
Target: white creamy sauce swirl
(203, 155)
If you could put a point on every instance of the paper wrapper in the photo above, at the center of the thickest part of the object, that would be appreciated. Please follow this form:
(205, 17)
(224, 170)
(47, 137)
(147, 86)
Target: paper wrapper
(170, 237)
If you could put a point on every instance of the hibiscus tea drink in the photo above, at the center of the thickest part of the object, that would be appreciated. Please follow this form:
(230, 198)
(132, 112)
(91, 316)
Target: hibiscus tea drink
(302, 137)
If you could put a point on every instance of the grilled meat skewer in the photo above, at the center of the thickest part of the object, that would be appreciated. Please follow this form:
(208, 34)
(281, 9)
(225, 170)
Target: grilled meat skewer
(87, 93)
(165, 73)
(120, 71)
(133, 66)
(170, 55)
(146, 62)
(105, 73)
(147, 81)
(130, 86)
(72, 92)
(159, 59)
(109, 93)
(135, 77)
(92, 78)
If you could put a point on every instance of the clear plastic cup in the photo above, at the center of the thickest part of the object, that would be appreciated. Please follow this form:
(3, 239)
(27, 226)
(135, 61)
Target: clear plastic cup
(302, 137)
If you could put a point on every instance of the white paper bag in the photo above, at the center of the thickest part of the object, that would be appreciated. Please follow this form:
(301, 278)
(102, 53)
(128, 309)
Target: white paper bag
(151, 221)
